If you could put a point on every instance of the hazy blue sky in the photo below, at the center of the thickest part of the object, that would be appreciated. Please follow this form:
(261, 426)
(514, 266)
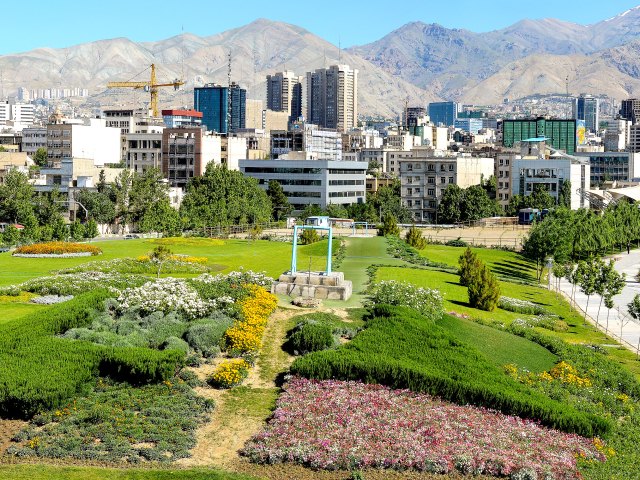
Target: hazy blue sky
(65, 22)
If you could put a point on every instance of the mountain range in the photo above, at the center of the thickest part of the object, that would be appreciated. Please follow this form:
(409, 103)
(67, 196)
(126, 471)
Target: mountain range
(417, 62)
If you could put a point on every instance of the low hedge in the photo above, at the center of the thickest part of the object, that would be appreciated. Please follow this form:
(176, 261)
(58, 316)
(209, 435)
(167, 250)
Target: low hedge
(40, 371)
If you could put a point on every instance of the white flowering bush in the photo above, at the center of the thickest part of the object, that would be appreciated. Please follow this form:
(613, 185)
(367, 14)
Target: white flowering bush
(238, 277)
(520, 306)
(167, 294)
(425, 300)
(76, 283)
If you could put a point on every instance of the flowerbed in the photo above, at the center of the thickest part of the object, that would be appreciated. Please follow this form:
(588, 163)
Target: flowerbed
(57, 248)
(520, 306)
(230, 373)
(425, 300)
(343, 425)
(142, 265)
(74, 284)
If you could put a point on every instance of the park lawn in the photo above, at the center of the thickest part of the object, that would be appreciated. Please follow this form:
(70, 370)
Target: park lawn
(456, 300)
(501, 262)
(49, 472)
(500, 348)
(228, 255)
(361, 253)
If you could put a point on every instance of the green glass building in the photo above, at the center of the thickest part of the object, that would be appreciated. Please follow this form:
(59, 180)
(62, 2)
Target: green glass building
(560, 133)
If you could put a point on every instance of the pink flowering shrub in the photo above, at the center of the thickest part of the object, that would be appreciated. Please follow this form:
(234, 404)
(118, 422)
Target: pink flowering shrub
(342, 425)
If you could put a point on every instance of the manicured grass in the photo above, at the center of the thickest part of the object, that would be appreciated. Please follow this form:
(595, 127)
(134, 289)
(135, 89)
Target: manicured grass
(501, 348)
(456, 300)
(501, 262)
(258, 255)
(47, 472)
(10, 309)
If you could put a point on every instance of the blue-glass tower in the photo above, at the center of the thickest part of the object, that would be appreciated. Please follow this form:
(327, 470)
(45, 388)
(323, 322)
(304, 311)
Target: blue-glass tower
(213, 102)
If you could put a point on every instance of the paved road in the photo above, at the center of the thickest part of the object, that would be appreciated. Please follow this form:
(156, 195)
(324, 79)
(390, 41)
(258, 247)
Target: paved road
(629, 265)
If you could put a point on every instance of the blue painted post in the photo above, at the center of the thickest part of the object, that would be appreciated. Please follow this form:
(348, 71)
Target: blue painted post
(329, 251)
(294, 251)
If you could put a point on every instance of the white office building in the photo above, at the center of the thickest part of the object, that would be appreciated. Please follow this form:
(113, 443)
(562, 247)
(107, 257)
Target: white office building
(312, 182)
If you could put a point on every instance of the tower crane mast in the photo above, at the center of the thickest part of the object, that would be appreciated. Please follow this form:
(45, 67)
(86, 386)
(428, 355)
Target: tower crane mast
(151, 86)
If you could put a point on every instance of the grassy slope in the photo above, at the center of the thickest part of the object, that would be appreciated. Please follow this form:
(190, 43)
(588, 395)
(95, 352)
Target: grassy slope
(455, 299)
(46, 472)
(500, 347)
(501, 262)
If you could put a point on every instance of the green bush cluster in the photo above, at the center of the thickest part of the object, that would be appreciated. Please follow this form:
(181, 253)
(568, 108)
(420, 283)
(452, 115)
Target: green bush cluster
(133, 265)
(40, 371)
(309, 337)
(415, 239)
(402, 349)
(400, 249)
(483, 287)
(116, 422)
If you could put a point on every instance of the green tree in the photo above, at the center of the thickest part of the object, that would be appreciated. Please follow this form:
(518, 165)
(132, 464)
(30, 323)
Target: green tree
(516, 203)
(484, 289)
(91, 229)
(387, 200)
(279, 202)
(161, 217)
(99, 205)
(224, 197)
(449, 207)
(469, 265)
(59, 230)
(540, 198)
(415, 239)
(40, 157)
(11, 235)
(336, 211)
(614, 286)
(16, 197)
(389, 226)
(590, 274)
(476, 204)
(362, 212)
(159, 256)
(76, 230)
(309, 236)
(311, 210)
(564, 195)
(147, 189)
(49, 205)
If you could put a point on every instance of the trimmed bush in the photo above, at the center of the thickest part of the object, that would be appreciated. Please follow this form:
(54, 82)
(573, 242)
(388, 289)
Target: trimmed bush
(206, 335)
(310, 337)
(415, 239)
(484, 290)
(39, 371)
(469, 265)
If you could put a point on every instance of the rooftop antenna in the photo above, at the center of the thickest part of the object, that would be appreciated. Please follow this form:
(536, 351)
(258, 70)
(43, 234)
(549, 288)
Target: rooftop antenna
(229, 95)
(566, 83)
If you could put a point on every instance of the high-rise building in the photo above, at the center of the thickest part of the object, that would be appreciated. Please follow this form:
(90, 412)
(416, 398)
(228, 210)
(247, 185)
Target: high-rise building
(414, 115)
(444, 113)
(559, 133)
(630, 109)
(213, 101)
(332, 97)
(586, 107)
(284, 93)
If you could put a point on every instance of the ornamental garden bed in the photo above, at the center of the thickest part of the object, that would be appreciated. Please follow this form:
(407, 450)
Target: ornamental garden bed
(57, 249)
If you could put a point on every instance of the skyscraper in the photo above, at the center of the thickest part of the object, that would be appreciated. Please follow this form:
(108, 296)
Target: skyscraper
(444, 113)
(332, 97)
(213, 101)
(284, 93)
(586, 107)
(630, 110)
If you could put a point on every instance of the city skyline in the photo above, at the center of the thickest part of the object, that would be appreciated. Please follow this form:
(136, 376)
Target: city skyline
(334, 22)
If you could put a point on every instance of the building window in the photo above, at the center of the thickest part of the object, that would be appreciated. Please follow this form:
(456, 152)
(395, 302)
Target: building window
(409, 191)
(431, 180)
(431, 192)
(443, 180)
(506, 162)
(451, 167)
(442, 168)
(450, 179)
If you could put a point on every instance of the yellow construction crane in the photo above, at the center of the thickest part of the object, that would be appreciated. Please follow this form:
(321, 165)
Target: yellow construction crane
(150, 86)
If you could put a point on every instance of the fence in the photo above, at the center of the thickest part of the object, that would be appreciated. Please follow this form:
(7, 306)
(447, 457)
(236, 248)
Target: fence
(623, 318)
(511, 243)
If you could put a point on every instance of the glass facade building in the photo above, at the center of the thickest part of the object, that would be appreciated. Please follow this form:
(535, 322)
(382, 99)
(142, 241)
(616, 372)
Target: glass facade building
(444, 113)
(213, 102)
(560, 133)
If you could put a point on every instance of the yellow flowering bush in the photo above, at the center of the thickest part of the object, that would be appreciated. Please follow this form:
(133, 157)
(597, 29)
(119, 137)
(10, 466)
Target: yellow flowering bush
(230, 373)
(245, 335)
(566, 373)
(57, 248)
